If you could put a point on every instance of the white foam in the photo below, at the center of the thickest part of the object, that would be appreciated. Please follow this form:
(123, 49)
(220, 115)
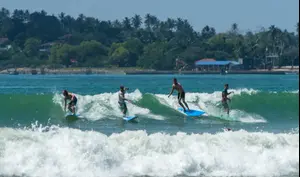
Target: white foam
(295, 91)
(209, 102)
(105, 105)
(71, 153)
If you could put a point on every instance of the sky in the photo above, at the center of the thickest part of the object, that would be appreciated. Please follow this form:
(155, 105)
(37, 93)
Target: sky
(220, 14)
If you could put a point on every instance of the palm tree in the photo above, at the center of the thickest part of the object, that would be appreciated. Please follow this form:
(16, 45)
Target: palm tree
(69, 21)
(17, 14)
(109, 23)
(274, 32)
(117, 24)
(80, 23)
(4, 13)
(207, 32)
(81, 17)
(154, 22)
(136, 21)
(27, 15)
(276, 35)
(179, 24)
(61, 16)
(148, 21)
(43, 13)
(126, 23)
(187, 26)
(151, 22)
(170, 23)
(234, 28)
(90, 23)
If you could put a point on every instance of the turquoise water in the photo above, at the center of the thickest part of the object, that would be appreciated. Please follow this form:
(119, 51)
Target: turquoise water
(35, 137)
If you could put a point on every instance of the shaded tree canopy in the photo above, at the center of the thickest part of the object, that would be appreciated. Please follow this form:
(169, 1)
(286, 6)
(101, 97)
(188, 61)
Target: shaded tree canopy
(37, 38)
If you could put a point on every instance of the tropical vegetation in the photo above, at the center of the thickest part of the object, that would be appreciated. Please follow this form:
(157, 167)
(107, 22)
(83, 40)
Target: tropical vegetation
(40, 39)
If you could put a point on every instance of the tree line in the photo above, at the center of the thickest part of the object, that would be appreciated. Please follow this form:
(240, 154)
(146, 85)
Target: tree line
(40, 39)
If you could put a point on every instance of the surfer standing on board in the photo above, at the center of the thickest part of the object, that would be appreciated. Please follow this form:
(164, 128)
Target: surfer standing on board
(181, 94)
(122, 99)
(72, 103)
(225, 98)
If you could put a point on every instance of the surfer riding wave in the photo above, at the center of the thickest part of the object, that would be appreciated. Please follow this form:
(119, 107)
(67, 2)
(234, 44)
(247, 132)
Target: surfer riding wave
(225, 98)
(181, 94)
(72, 103)
(122, 100)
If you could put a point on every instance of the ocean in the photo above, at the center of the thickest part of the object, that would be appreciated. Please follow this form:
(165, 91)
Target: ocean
(37, 141)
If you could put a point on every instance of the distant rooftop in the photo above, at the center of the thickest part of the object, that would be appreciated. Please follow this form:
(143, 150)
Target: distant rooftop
(206, 62)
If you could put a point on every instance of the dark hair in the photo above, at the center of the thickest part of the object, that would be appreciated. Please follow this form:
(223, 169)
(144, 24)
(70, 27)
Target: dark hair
(65, 92)
(175, 79)
(226, 85)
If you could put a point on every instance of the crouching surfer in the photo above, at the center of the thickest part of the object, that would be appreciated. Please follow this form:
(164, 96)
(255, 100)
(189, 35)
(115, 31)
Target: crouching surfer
(73, 101)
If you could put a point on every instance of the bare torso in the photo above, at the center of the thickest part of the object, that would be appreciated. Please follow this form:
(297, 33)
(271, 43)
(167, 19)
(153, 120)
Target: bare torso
(178, 87)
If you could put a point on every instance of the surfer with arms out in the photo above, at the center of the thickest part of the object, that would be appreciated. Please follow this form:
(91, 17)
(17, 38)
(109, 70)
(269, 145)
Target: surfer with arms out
(225, 98)
(72, 103)
(181, 94)
(122, 100)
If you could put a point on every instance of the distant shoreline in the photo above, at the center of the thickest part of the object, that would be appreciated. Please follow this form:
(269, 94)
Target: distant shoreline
(135, 71)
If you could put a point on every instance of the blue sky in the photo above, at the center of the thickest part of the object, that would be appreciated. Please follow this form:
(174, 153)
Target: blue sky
(248, 14)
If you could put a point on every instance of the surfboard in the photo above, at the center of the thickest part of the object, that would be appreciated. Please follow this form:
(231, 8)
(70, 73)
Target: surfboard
(192, 113)
(70, 115)
(129, 118)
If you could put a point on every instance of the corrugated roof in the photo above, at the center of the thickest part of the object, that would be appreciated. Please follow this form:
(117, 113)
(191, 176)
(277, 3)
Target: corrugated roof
(202, 63)
(206, 59)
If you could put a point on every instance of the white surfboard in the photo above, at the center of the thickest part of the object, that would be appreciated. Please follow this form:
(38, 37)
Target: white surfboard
(71, 115)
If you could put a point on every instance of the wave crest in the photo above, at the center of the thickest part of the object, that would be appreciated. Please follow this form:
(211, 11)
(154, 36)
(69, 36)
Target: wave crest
(68, 152)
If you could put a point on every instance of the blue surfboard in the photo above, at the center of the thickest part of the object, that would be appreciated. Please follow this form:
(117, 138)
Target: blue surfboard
(129, 118)
(192, 113)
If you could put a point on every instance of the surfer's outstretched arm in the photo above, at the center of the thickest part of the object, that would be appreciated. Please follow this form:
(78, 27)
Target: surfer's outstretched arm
(125, 99)
(171, 92)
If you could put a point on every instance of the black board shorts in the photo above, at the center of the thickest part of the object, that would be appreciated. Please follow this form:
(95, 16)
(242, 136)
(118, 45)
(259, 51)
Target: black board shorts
(73, 102)
(225, 104)
(122, 104)
(181, 95)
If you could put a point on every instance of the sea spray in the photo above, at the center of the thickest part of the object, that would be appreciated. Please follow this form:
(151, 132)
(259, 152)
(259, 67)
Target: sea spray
(69, 152)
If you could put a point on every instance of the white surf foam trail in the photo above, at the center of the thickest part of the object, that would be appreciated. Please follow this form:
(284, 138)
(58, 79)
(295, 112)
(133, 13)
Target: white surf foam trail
(105, 105)
(71, 153)
(211, 104)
